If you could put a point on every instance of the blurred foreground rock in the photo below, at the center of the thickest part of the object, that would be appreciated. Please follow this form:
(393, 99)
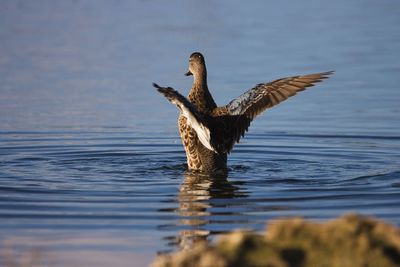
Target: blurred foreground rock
(349, 241)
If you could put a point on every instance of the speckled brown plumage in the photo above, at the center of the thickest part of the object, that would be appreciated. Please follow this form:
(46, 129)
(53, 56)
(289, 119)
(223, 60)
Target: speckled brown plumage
(198, 156)
(226, 124)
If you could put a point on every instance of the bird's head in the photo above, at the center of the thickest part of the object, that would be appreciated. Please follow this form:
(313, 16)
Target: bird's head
(197, 65)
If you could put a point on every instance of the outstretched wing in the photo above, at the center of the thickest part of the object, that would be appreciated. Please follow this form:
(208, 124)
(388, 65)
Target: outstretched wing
(242, 110)
(267, 95)
(194, 118)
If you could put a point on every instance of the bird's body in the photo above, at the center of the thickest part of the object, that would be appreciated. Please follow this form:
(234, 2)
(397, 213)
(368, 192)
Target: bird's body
(199, 157)
(208, 132)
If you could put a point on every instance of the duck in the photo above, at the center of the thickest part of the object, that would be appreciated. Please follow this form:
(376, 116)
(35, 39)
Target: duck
(208, 131)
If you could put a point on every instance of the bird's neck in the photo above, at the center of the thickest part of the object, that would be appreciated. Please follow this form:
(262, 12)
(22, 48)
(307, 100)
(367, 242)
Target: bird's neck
(199, 94)
(200, 79)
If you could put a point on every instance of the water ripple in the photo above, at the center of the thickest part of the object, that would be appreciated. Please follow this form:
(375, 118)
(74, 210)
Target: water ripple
(59, 181)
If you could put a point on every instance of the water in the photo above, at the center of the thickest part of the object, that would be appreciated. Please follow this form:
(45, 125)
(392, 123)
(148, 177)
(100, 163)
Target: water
(92, 171)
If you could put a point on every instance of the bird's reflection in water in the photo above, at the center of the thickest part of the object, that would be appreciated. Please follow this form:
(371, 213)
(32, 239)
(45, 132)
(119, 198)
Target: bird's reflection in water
(196, 198)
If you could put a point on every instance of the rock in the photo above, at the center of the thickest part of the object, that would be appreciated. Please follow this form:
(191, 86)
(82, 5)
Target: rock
(351, 240)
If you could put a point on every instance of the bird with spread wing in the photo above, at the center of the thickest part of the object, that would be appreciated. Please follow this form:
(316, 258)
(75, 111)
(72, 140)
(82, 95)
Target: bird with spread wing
(208, 132)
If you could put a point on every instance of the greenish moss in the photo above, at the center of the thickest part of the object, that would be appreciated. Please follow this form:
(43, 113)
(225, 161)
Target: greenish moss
(351, 240)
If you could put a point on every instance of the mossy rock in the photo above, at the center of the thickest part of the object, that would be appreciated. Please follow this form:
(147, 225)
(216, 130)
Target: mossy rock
(349, 241)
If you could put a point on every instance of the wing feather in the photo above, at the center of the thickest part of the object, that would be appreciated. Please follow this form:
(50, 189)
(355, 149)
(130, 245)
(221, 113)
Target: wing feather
(238, 114)
(266, 95)
(197, 120)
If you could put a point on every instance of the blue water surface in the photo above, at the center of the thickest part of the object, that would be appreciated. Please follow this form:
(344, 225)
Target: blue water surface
(92, 170)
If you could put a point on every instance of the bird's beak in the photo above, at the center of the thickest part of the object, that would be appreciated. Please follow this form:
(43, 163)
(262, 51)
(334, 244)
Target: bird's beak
(188, 73)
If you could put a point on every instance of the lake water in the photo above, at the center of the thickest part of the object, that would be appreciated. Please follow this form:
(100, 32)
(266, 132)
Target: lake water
(92, 170)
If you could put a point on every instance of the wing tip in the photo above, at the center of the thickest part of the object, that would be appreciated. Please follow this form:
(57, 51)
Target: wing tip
(326, 74)
(163, 90)
(316, 77)
(157, 86)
